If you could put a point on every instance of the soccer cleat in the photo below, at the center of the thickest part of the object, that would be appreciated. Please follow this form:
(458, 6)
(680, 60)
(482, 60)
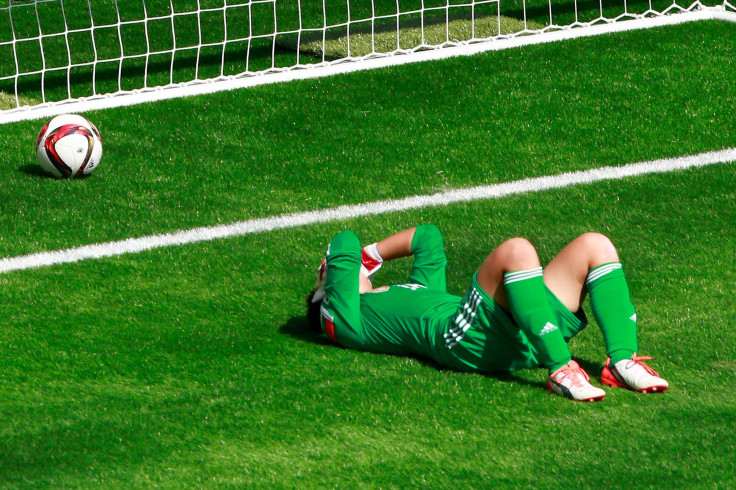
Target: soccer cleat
(571, 381)
(633, 374)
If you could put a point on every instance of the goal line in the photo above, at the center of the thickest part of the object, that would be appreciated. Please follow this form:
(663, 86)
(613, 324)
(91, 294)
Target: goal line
(241, 228)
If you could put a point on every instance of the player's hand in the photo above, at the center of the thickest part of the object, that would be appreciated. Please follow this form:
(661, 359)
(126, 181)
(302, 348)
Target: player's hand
(319, 283)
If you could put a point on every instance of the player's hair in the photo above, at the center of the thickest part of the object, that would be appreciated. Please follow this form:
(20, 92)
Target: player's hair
(313, 312)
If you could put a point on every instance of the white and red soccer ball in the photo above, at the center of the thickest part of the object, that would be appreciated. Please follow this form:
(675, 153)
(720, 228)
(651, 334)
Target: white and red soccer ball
(69, 146)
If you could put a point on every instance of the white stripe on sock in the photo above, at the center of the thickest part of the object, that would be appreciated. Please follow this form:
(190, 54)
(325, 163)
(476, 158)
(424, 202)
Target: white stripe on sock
(516, 276)
(602, 271)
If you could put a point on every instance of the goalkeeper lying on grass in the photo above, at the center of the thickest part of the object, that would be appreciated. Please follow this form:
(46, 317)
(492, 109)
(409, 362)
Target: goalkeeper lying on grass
(515, 315)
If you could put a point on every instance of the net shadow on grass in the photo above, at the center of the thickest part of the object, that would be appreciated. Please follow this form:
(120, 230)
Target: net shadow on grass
(409, 32)
(110, 77)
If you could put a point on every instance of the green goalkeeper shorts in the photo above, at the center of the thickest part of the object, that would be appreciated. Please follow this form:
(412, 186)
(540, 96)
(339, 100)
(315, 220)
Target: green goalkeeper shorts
(484, 337)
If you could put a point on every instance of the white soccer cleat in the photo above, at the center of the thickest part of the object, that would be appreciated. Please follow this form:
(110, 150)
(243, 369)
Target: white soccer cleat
(571, 381)
(633, 374)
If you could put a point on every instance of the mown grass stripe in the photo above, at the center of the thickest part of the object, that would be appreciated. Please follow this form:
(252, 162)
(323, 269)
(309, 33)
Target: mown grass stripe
(203, 234)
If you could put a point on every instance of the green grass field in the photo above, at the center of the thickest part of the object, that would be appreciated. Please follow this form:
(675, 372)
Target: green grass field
(190, 366)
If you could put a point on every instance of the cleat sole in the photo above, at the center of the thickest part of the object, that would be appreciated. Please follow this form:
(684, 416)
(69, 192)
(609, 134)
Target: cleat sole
(653, 389)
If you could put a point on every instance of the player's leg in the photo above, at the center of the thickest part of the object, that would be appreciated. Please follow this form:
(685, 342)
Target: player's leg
(512, 276)
(590, 264)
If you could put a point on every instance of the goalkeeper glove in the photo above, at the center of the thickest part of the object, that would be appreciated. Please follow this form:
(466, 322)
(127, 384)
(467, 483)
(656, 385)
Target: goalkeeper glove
(371, 260)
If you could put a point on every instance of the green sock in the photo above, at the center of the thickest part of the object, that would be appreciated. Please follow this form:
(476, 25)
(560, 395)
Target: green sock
(612, 309)
(530, 308)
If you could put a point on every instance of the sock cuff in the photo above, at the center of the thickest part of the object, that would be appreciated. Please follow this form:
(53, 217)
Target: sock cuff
(516, 276)
(602, 271)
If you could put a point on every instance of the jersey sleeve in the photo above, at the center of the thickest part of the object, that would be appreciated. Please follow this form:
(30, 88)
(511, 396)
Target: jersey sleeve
(430, 261)
(340, 309)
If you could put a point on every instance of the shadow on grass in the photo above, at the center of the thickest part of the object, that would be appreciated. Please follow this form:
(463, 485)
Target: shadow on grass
(298, 328)
(131, 74)
(34, 171)
(593, 368)
(37, 172)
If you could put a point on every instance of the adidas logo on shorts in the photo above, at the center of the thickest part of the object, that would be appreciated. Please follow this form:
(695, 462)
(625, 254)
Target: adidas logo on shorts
(548, 328)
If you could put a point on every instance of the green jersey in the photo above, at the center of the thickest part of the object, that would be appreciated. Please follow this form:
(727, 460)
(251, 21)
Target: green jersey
(420, 317)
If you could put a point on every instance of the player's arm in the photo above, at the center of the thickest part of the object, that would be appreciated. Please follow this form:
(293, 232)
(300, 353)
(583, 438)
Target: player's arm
(396, 246)
(340, 309)
(430, 261)
(373, 255)
(424, 242)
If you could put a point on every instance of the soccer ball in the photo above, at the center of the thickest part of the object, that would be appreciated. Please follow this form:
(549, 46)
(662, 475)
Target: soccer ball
(69, 146)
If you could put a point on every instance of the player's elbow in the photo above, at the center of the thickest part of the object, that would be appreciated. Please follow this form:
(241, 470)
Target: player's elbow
(429, 230)
(345, 244)
(427, 234)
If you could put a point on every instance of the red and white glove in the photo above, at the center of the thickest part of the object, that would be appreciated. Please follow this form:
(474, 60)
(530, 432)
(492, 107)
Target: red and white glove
(371, 260)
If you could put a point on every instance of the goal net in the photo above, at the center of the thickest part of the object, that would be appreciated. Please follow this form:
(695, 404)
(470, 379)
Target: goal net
(71, 55)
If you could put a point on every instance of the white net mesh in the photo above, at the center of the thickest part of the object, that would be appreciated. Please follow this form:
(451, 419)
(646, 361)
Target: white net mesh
(53, 52)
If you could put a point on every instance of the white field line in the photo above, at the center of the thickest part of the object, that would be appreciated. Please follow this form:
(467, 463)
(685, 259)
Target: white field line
(135, 245)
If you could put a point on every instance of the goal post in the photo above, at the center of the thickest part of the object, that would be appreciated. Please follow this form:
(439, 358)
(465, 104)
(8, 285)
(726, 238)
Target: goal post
(74, 55)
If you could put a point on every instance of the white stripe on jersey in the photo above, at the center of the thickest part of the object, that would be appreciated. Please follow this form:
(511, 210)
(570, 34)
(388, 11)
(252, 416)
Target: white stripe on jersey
(464, 320)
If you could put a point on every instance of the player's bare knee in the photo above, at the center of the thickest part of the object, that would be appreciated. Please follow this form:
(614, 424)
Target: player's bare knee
(599, 246)
(518, 254)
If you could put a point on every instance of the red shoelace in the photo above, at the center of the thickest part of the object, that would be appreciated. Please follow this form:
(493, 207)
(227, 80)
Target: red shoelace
(640, 361)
